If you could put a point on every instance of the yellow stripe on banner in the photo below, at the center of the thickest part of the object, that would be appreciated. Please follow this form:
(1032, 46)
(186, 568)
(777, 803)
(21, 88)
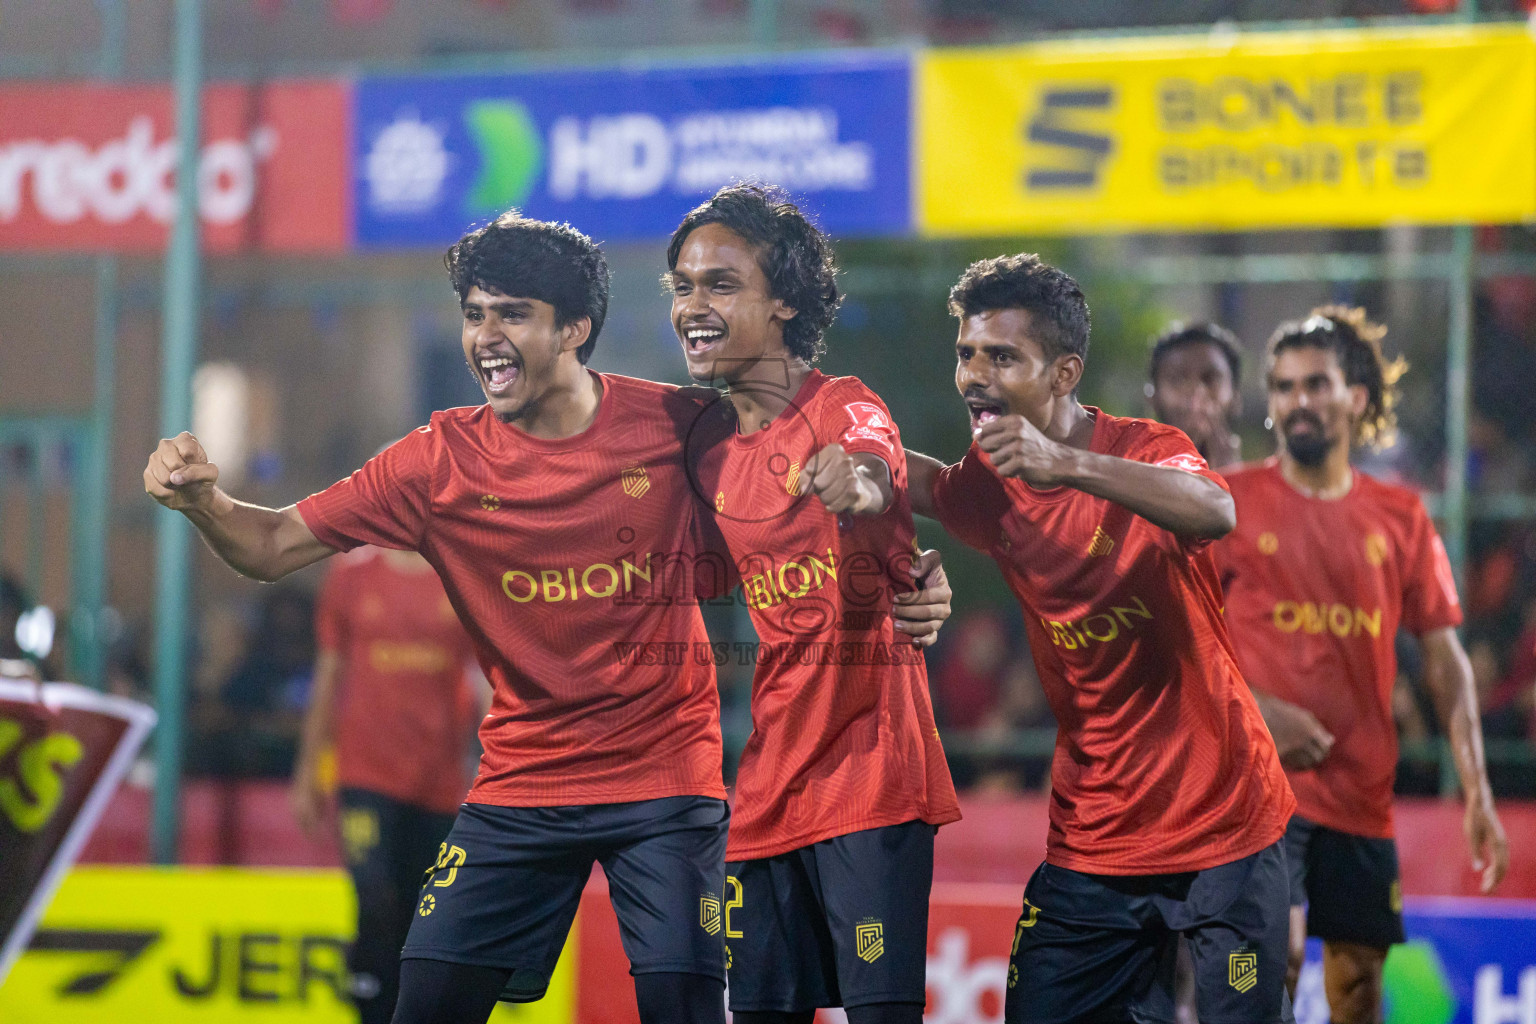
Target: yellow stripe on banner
(1230, 131)
(205, 945)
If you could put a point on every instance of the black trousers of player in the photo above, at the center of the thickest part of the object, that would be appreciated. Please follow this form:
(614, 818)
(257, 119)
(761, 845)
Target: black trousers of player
(388, 845)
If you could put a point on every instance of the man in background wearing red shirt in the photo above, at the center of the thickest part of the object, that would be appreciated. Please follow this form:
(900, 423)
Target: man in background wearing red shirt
(1168, 802)
(1325, 565)
(392, 697)
(843, 783)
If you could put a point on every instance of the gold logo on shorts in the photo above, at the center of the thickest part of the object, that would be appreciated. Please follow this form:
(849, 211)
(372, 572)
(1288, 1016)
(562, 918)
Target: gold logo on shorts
(869, 941)
(709, 914)
(1243, 970)
(428, 904)
(1013, 975)
(720, 501)
(729, 963)
(635, 481)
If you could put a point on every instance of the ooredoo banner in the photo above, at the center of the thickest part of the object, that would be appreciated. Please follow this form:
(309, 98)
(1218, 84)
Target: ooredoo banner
(91, 167)
(622, 153)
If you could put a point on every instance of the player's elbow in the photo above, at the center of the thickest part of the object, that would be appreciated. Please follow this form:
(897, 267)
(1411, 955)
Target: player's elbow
(1219, 514)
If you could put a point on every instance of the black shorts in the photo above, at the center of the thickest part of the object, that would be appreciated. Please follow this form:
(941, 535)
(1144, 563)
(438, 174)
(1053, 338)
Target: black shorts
(1094, 948)
(842, 922)
(1349, 883)
(508, 881)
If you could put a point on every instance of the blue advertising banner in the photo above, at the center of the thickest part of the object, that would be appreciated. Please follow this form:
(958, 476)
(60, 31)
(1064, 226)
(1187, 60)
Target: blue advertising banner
(1467, 961)
(623, 153)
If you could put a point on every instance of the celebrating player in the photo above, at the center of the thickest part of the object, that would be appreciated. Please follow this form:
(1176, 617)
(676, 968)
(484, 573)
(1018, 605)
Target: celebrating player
(1193, 381)
(843, 781)
(1168, 802)
(392, 696)
(1325, 565)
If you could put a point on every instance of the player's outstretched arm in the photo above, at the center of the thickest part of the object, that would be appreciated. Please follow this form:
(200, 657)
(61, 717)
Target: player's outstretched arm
(922, 474)
(1448, 674)
(263, 543)
(856, 482)
(1182, 503)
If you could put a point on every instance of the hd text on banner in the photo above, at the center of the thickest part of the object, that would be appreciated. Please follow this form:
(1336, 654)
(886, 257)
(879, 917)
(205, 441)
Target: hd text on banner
(623, 153)
(1229, 131)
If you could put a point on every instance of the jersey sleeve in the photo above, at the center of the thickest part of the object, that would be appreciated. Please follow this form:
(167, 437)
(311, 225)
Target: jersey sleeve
(971, 501)
(855, 417)
(330, 611)
(386, 503)
(1429, 587)
(1170, 448)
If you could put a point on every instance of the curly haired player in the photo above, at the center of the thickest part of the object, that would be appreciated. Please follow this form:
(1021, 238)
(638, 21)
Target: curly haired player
(1324, 567)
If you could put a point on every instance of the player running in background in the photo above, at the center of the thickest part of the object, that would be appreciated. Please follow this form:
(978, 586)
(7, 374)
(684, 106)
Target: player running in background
(1325, 565)
(843, 781)
(1194, 378)
(1168, 802)
(393, 700)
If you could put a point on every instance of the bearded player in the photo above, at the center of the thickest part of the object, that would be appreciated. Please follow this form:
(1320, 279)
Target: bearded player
(1168, 802)
(843, 782)
(1326, 564)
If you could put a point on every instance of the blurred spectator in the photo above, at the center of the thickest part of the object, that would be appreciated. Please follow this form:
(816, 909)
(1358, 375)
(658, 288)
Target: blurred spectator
(253, 729)
(17, 614)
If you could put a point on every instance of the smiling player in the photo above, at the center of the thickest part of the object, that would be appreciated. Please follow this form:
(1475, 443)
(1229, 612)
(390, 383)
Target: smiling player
(1168, 802)
(1325, 565)
(843, 781)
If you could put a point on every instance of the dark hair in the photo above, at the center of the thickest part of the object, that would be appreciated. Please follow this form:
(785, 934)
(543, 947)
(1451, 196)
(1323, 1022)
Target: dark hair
(793, 253)
(1201, 332)
(535, 259)
(1356, 342)
(13, 599)
(1025, 281)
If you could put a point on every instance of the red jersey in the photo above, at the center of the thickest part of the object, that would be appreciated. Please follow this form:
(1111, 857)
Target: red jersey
(403, 703)
(1316, 591)
(843, 737)
(570, 563)
(1163, 763)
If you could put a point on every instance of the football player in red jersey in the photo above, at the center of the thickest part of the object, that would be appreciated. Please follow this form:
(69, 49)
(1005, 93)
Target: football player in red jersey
(843, 782)
(1193, 380)
(561, 519)
(1326, 564)
(1168, 802)
(392, 699)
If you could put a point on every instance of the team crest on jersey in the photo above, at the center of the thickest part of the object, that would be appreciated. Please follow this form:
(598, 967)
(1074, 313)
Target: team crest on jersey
(871, 423)
(720, 501)
(1268, 543)
(1102, 543)
(1243, 969)
(635, 481)
(869, 940)
(709, 914)
(1376, 549)
(490, 502)
(792, 478)
(1185, 461)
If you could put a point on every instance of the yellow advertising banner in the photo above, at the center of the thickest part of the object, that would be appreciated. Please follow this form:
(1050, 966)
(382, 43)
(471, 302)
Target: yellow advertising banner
(1347, 128)
(204, 945)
